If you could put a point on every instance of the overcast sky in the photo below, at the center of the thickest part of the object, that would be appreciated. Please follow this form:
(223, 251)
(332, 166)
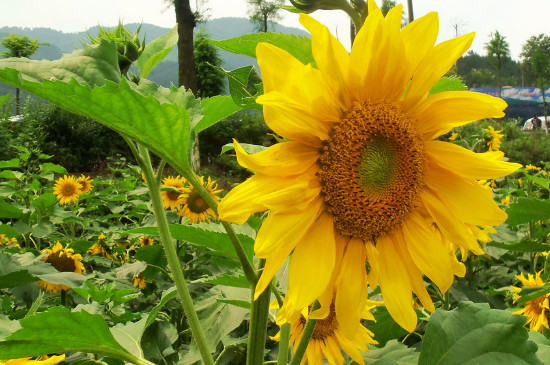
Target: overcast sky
(516, 20)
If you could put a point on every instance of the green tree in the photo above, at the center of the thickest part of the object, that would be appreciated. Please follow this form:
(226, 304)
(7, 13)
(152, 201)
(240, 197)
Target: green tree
(209, 79)
(19, 46)
(531, 46)
(498, 52)
(387, 5)
(263, 12)
(541, 67)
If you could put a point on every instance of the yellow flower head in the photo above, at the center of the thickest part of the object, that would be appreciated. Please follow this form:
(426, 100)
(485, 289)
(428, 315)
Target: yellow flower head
(98, 249)
(453, 136)
(86, 183)
(328, 340)
(194, 207)
(67, 189)
(361, 165)
(43, 360)
(5, 241)
(139, 281)
(145, 241)
(506, 200)
(495, 139)
(520, 182)
(64, 260)
(534, 310)
(170, 198)
(101, 237)
(532, 168)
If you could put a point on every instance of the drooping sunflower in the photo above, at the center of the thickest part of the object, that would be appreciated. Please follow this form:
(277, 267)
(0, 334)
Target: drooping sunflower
(64, 260)
(43, 360)
(139, 281)
(535, 310)
(174, 188)
(328, 340)
(5, 241)
(86, 183)
(494, 139)
(145, 241)
(67, 189)
(194, 207)
(361, 164)
(532, 168)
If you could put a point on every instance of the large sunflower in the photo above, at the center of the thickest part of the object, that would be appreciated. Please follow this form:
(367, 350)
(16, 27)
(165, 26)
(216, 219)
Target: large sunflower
(67, 189)
(64, 260)
(86, 183)
(361, 165)
(535, 310)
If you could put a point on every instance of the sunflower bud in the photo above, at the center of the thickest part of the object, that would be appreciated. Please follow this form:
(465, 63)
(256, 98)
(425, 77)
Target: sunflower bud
(309, 6)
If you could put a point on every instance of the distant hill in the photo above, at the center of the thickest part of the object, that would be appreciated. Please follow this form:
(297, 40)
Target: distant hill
(166, 71)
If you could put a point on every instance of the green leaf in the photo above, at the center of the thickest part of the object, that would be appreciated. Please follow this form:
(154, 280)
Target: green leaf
(298, 46)
(238, 87)
(44, 201)
(474, 333)
(60, 330)
(4, 99)
(166, 296)
(215, 109)
(385, 328)
(538, 180)
(543, 343)
(9, 211)
(155, 51)
(447, 84)
(11, 175)
(154, 257)
(93, 65)
(532, 293)
(43, 229)
(393, 353)
(216, 242)
(8, 231)
(14, 162)
(528, 210)
(129, 336)
(58, 169)
(523, 246)
(161, 119)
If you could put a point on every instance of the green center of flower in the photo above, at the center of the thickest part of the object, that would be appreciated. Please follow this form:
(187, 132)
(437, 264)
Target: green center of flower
(196, 203)
(372, 169)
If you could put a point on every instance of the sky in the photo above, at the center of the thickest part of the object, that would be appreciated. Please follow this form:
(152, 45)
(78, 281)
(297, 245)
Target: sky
(515, 20)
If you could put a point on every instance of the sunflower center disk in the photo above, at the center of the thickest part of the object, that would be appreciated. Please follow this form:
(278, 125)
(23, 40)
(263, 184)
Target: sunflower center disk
(372, 169)
(196, 203)
(62, 263)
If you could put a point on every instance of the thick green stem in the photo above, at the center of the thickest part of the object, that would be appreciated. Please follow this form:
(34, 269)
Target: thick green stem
(353, 14)
(307, 333)
(257, 333)
(284, 339)
(172, 257)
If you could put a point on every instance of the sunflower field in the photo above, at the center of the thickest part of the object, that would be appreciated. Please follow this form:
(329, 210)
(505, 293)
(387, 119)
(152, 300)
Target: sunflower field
(386, 226)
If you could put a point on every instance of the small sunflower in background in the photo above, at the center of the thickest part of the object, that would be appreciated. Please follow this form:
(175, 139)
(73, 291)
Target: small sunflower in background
(67, 189)
(5, 241)
(495, 139)
(64, 260)
(194, 207)
(43, 360)
(139, 281)
(506, 200)
(328, 340)
(453, 136)
(535, 310)
(100, 247)
(86, 183)
(145, 241)
(532, 168)
(172, 190)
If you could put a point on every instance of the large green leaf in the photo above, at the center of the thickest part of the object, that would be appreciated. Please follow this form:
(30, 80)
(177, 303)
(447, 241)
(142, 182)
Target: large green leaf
(155, 51)
(523, 246)
(215, 109)
(4, 99)
(385, 328)
(474, 333)
(60, 330)
(298, 46)
(238, 87)
(527, 210)
(543, 343)
(393, 353)
(447, 84)
(159, 118)
(9, 211)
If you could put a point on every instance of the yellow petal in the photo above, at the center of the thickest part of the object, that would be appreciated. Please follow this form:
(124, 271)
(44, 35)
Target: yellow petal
(395, 284)
(436, 63)
(281, 159)
(419, 38)
(471, 165)
(351, 291)
(446, 110)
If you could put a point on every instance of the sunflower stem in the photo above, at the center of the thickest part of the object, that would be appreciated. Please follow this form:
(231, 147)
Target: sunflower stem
(282, 358)
(307, 333)
(172, 257)
(353, 14)
(258, 325)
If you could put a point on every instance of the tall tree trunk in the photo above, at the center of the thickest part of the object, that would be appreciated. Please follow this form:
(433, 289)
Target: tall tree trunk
(265, 22)
(499, 82)
(17, 102)
(410, 10)
(187, 75)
